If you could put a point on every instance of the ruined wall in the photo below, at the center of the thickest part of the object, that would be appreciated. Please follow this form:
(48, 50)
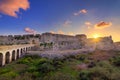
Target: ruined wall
(60, 41)
(6, 40)
(19, 39)
(102, 43)
(117, 46)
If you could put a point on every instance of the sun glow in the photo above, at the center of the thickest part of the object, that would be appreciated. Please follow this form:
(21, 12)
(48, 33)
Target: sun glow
(96, 36)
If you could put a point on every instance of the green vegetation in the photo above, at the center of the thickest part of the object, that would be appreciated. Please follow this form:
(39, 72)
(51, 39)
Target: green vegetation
(46, 44)
(115, 61)
(78, 67)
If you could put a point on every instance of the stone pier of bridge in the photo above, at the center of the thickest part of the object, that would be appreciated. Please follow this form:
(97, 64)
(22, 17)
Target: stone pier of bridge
(13, 52)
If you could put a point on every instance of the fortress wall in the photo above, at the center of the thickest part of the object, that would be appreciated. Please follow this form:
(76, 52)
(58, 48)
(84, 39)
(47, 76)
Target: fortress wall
(117, 46)
(60, 41)
(102, 43)
(18, 39)
(63, 41)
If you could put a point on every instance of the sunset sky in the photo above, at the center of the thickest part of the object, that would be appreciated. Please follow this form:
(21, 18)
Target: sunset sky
(90, 17)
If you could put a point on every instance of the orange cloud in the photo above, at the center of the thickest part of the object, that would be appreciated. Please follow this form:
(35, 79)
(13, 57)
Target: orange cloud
(67, 23)
(83, 11)
(29, 30)
(102, 25)
(11, 7)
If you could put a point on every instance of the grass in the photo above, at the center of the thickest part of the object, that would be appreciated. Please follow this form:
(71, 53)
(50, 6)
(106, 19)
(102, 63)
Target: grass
(37, 68)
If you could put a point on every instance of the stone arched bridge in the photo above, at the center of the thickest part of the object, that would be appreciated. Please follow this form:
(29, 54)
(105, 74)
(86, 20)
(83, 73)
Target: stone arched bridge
(11, 53)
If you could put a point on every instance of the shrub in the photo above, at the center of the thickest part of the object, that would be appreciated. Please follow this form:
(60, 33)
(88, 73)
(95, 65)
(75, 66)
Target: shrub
(5, 70)
(32, 68)
(33, 56)
(96, 73)
(103, 71)
(92, 64)
(116, 61)
(81, 57)
(84, 75)
(59, 76)
(45, 68)
(25, 76)
(41, 44)
(25, 60)
(57, 63)
(9, 75)
(35, 75)
(44, 60)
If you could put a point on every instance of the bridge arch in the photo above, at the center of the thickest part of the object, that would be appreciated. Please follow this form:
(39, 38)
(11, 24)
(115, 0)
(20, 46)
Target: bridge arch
(1, 59)
(13, 55)
(21, 51)
(31, 48)
(24, 50)
(18, 54)
(7, 57)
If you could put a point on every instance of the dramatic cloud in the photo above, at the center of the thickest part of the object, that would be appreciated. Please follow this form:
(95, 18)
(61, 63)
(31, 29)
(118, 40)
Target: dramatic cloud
(67, 23)
(83, 11)
(11, 7)
(29, 30)
(102, 25)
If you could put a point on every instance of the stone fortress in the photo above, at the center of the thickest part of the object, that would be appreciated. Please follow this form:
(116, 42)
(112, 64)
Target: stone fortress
(14, 47)
(50, 41)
